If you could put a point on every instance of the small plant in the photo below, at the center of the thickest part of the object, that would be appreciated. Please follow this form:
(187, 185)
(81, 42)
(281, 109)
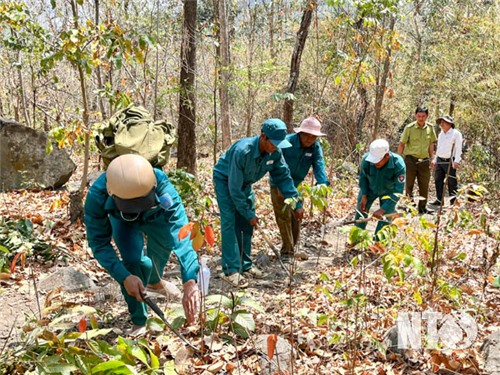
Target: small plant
(228, 313)
(19, 240)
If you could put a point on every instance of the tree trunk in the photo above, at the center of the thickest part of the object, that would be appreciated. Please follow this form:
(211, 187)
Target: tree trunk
(76, 205)
(223, 73)
(186, 149)
(22, 95)
(295, 64)
(157, 60)
(382, 81)
(452, 104)
(98, 70)
(250, 100)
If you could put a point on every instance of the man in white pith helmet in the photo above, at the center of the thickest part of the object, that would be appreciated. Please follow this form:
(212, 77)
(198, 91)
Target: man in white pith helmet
(133, 200)
(305, 152)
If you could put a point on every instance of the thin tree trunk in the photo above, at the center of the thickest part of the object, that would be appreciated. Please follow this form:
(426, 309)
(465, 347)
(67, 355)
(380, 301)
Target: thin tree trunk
(249, 103)
(223, 73)
(22, 95)
(452, 104)
(98, 70)
(382, 82)
(272, 52)
(157, 59)
(76, 203)
(295, 64)
(186, 150)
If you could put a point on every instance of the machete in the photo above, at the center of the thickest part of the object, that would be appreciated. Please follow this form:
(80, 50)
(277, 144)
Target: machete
(160, 314)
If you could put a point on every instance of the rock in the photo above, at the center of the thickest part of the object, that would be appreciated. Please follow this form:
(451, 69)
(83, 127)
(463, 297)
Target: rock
(262, 260)
(68, 279)
(281, 359)
(24, 162)
(347, 169)
(391, 340)
(491, 353)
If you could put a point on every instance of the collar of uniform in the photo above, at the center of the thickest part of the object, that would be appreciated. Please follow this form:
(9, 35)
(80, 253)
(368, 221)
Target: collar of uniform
(414, 124)
(256, 151)
(390, 164)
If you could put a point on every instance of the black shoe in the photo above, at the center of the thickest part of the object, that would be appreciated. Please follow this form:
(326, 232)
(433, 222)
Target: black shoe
(425, 210)
(286, 258)
(437, 202)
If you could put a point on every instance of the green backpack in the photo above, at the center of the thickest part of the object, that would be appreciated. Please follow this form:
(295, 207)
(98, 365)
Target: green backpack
(133, 131)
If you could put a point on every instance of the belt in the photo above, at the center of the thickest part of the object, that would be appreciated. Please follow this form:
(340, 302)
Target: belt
(417, 159)
(443, 159)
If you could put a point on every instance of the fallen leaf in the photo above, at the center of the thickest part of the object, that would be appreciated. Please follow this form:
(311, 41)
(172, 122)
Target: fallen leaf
(271, 345)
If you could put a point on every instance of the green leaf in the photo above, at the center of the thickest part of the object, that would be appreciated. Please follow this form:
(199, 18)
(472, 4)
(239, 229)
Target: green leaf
(496, 282)
(417, 297)
(251, 303)
(155, 324)
(169, 368)
(79, 2)
(139, 354)
(113, 367)
(324, 277)
(218, 298)
(53, 4)
(63, 369)
(245, 319)
(4, 249)
(239, 330)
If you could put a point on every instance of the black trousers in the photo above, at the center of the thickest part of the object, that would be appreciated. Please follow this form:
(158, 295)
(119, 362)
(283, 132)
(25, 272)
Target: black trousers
(440, 174)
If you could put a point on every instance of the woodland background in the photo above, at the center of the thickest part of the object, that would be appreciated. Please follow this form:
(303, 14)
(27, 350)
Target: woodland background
(216, 70)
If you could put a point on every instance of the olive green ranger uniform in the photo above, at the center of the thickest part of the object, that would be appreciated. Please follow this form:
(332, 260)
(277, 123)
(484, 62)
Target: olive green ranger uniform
(416, 156)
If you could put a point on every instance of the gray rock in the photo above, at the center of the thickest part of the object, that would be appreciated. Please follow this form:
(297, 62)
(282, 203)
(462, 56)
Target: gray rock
(68, 279)
(24, 162)
(391, 340)
(491, 353)
(281, 359)
(262, 260)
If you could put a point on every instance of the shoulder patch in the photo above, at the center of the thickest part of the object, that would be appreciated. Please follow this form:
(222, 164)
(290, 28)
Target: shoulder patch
(401, 178)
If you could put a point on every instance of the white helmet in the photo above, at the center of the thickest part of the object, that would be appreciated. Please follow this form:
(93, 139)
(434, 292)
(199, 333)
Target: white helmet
(131, 182)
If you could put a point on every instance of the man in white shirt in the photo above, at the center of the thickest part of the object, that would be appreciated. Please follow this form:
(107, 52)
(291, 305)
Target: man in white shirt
(449, 150)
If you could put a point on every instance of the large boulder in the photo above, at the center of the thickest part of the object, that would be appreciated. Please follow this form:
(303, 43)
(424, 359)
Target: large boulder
(24, 162)
(491, 353)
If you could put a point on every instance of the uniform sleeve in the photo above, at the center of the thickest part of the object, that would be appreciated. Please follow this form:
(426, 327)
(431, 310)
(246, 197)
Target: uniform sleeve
(282, 178)
(363, 177)
(405, 136)
(235, 181)
(183, 249)
(99, 234)
(319, 167)
(433, 135)
(389, 204)
(458, 147)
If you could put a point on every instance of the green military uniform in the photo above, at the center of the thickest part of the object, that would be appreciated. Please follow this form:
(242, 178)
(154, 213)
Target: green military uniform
(299, 160)
(416, 156)
(382, 183)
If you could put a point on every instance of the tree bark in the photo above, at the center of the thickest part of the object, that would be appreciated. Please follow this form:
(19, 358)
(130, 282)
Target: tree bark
(98, 70)
(186, 149)
(22, 95)
(295, 64)
(76, 205)
(223, 73)
(250, 101)
(382, 81)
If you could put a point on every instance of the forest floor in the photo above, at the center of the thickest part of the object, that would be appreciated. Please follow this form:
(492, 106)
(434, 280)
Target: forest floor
(335, 312)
